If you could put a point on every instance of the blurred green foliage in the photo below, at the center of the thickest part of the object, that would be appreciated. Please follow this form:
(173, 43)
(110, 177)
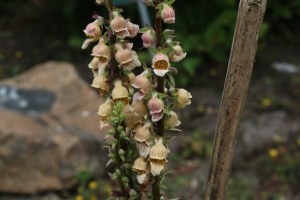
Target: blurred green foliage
(204, 28)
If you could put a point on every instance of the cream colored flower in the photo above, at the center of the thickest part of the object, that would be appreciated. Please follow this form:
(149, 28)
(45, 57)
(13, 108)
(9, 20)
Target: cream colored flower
(140, 166)
(104, 112)
(120, 93)
(158, 157)
(160, 64)
(183, 98)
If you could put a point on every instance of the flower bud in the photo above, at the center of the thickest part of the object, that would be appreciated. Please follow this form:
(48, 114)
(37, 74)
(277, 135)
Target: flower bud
(168, 14)
(158, 157)
(149, 38)
(156, 107)
(160, 64)
(183, 98)
(172, 121)
(133, 29)
(140, 165)
(119, 26)
(177, 53)
(120, 93)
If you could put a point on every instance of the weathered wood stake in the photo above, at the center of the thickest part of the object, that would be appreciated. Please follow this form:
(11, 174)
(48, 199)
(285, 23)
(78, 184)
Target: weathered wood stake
(242, 57)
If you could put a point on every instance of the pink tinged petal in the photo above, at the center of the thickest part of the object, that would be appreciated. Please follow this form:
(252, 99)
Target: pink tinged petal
(86, 43)
(139, 95)
(160, 72)
(155, 117)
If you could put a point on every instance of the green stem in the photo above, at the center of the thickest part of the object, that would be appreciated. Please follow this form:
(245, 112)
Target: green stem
(160, 88)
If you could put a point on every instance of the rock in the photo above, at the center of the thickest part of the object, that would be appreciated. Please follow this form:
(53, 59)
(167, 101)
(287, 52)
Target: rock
(49, 129)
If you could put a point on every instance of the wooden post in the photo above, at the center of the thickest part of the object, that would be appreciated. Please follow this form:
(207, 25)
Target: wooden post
(242, 57)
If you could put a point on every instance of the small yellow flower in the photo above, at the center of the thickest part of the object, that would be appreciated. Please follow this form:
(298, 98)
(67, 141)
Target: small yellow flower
(273, 153)
(266, 102)
(298, 141)
(79, 197)
(93, 185)
(277, 139)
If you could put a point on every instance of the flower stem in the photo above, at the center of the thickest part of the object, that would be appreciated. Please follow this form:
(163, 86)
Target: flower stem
(160, 88)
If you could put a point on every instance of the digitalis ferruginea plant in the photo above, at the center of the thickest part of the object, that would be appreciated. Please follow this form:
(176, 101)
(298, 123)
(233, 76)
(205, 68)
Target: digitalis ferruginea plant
(137, 106)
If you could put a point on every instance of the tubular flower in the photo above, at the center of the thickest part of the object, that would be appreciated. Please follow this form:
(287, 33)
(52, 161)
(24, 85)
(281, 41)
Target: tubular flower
(100, 82)
(94, 29)
(156, 107)
(132, 120)
(126, 57)
(120, 93)
(168, 14)
(183, 98)
(172, 120)
(177, 54)
(140, 165)
(142, 83)
(119, 26)
(104, 112)
(97, 66)
(133, 29)
(160, 64)
(158, 157)
(142, 136)
(139, 107)
(149, 38)
(102, 51)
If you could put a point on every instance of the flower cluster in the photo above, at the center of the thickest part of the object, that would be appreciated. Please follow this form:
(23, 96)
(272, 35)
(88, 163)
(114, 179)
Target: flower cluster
(137, 108)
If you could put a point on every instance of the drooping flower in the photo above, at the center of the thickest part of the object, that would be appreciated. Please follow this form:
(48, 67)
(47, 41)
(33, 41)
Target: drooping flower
(160, 64)
(156, 107)
(183, 98)
(94, 29)
(119, 25)
(120, 93)
(133, 29)
(104, 112)
(139, 107)
(142, 136)
(149, 38)
(102, 51)
(140, 165)
(126, 57)
(177, 53)
(168, 14)
(158, 157)
(132, 119)
(100, 83)
(172, 120)
(143, 84)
